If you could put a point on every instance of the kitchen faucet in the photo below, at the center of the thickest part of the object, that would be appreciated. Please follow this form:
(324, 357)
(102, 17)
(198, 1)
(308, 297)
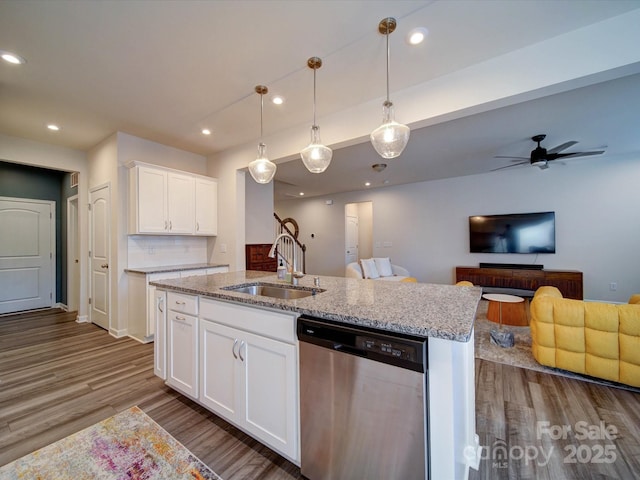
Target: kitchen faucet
(295, 274)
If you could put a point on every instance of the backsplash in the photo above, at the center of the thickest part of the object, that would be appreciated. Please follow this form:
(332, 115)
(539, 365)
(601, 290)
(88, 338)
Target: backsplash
(161, 250)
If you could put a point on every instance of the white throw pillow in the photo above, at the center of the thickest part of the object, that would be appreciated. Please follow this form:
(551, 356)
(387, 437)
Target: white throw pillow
(369, 268)
(383, 265)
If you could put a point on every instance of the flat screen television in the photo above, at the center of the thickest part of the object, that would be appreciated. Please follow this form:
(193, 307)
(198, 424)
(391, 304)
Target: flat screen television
(513, 233)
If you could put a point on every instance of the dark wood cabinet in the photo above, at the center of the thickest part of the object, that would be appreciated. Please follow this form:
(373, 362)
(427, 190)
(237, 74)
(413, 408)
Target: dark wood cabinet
(569, 282)
(257, 257)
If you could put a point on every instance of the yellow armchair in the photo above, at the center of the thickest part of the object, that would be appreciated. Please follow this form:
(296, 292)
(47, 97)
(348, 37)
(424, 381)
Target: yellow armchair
(591, 338)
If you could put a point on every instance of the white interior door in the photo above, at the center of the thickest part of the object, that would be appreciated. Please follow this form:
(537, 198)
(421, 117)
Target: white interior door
(351, 239)
(27, 260)
(99, 256)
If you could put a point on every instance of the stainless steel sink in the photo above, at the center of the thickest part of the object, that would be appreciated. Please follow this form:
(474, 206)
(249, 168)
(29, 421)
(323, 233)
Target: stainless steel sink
(274, 291)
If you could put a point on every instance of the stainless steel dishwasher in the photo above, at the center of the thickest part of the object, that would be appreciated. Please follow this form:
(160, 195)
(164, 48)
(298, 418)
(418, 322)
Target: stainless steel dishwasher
(363, 403)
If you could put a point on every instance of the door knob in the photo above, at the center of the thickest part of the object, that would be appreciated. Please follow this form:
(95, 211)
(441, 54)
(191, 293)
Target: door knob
(104, 265)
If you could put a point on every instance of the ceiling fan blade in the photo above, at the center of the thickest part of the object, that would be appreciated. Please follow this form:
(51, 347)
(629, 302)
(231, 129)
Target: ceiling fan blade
(517, 158)
(509, 166)
(564, 146)
(574, 154)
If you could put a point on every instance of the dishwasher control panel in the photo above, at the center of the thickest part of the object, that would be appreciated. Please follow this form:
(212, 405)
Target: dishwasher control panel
(390, 348)
(393, 349)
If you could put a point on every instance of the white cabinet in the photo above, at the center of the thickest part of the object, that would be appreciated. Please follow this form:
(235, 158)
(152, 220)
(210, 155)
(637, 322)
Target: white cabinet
(142, 304)
(160, 347)
(203, 271)
(163, 201)
(149, 194)
(180, 203)
(206, 207)
(182, 343)
(250, 379)
(142, 314)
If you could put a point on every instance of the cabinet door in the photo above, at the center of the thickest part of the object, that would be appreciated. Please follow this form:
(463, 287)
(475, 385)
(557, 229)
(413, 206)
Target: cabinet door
(160, 340)
(270, 409)
(182, 353)
(152, 200)
(206, 207)
(219, 369)
(180, 203)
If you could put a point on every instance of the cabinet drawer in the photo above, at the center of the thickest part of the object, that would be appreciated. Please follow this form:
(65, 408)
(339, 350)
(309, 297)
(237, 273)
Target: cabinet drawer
(180, 302)
(279, 326)
(181, 317)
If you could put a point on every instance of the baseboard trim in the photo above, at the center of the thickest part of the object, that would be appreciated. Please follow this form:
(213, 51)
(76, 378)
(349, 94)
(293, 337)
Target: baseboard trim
(118, 333)
(61, 306)
(82, 319)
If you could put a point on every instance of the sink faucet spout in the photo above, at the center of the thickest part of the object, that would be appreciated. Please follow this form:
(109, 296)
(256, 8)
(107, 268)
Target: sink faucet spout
(295, 275)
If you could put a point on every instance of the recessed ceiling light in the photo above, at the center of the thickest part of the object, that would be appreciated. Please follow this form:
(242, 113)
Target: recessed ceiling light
(206, 131)
(417, 35)
(301, 194)
(277, 100)
(53, 127)
(12, 58)
(367, 184)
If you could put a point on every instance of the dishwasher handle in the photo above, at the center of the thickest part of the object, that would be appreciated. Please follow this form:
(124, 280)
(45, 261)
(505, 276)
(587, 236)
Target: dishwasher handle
(350, 350)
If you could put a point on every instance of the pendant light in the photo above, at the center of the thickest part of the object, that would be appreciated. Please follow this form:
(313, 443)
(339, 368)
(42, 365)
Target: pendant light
(262, 169)
(390, 138)
(315, 156)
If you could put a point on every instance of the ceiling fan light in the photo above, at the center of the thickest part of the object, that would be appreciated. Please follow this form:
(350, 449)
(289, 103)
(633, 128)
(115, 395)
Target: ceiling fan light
(262, 169)
(316, 156)
(542, 163)
(390, 138)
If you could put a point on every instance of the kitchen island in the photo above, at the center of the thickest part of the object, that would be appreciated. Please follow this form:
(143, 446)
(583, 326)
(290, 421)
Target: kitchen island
(202, 309)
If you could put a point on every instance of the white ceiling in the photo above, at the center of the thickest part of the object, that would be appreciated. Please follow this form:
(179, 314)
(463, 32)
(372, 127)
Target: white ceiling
(162, 70)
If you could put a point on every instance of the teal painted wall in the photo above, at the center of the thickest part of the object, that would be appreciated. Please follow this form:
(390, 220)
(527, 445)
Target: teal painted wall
(22, 181)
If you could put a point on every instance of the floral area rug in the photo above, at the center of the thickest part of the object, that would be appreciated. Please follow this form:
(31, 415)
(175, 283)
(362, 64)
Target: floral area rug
(129, 445)
(520, 354)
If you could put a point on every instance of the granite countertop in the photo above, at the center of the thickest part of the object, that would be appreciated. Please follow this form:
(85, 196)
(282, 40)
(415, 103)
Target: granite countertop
(421, 309)
(174, 268)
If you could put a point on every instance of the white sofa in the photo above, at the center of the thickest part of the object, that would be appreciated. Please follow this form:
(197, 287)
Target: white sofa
(354, 270)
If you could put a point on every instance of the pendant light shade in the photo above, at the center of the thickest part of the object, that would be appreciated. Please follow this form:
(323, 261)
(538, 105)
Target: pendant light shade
(262, 169)
(390, 138)
(315, 156)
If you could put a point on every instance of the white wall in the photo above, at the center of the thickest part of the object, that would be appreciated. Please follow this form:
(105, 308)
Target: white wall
(259, 221)
(229, 168)
(597, 224)
(108, 164)
(365, 229)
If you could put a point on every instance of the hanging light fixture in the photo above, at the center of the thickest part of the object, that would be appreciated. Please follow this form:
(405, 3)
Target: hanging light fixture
(390, 138)
(315, 156)
(262, 169)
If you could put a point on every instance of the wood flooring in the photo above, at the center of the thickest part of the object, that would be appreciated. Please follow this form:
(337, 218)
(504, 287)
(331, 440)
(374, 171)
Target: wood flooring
(58, 377)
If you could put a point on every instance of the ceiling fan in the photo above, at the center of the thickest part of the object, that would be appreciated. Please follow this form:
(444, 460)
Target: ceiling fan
(540, 156)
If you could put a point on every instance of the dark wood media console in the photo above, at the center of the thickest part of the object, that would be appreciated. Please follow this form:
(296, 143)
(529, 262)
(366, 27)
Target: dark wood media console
(569, 282)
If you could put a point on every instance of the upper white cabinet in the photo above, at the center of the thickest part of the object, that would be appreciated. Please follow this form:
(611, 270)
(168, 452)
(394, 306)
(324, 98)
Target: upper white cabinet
(180, 203)
(206, 206)
(169, 202)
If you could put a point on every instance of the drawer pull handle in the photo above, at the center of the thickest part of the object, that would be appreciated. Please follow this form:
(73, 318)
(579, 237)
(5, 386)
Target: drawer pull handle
(233, 349)
(178, 302)
(178, 317)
